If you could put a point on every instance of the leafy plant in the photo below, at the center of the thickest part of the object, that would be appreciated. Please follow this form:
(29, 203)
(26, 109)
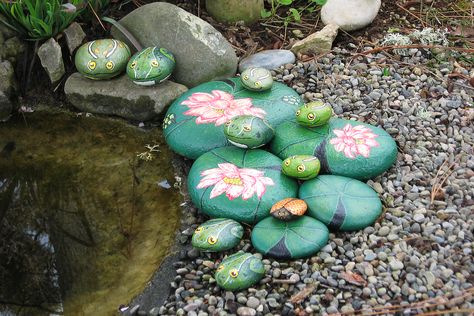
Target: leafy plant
(295, 10)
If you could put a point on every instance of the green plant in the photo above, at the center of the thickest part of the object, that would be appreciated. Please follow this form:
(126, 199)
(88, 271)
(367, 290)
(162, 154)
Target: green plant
(295, 10)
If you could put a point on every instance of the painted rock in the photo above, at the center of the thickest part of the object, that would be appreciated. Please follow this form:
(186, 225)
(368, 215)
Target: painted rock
(346, 148)
(150, 66)
(102, 59)
(217, 235)
(303, 167)
(247, 131)
(314, 114)
(239, 184)
(205, 109)
(239, 271)
(257, 79)
(341, 203)
(298, 238)
(288, 209)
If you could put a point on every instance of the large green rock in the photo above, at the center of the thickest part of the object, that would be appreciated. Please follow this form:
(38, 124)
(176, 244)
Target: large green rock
(341, 203)
(239, 184)
(298, 238)
(346, 148)
(194, 123)
(239, 271)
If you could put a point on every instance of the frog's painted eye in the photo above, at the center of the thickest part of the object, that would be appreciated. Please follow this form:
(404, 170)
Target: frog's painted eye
(110, 65)
(220, 268)
(234, 273)
(246, 77)
(301, 168)
(247, 128)
(199, 229)
(311, 116)
(257, 84)
(91, 65)
(287, 162)
(298, 113)
(212, 240)
(133, 64)
(228, 123)
(154, 63)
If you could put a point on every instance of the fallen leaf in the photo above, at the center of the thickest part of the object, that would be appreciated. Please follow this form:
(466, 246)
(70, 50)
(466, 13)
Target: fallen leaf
(301, 295)
(353, 278)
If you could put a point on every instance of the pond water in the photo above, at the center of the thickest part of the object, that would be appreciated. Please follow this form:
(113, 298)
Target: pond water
(84, 222)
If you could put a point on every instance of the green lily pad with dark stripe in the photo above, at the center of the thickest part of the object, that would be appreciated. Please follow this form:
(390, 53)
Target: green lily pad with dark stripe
(341, 203)
(241, 184)
(299, 238)
(194, 123)
(347, 148)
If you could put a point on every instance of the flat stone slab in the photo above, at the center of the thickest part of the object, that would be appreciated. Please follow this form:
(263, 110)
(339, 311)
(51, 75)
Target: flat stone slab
(194, 123)
(298, 238)
(269, 59)
(240, 184)
(343, 147)
(120, 96)
(341, 203)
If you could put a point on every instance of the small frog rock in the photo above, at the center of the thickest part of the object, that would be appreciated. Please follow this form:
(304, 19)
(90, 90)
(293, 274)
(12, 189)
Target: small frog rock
(239, 271)
(288, 209)
(257, 79)
(303, 167)
(217, 235)
(102, 59)
(316, 113)
(150, 66)
(247, 131)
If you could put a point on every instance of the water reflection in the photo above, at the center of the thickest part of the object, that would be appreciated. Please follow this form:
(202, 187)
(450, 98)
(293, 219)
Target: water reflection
(83, 223)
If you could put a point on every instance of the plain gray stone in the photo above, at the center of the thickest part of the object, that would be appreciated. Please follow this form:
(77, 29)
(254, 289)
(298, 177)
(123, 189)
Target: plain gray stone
(6, 107)
(74, 36)
(121, 97)
(269, 59)
(202, 53)
(51, 58)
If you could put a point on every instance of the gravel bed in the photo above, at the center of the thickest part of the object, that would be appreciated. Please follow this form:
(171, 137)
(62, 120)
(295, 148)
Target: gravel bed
(417, 250)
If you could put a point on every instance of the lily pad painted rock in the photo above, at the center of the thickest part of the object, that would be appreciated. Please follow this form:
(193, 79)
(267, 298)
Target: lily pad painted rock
(247, 131)
(150, 66)
(217, 235)
(239, 271)
(303, 167)
(341, 203)
(239, 184)
(346, 148)
(205, 109)
(102, 59)
(288, 208)
(298, 238)
(257, 79)
(313, 114)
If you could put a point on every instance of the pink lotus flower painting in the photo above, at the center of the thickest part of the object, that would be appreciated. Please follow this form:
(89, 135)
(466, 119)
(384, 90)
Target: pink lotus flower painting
(218, 107)
(234, 182)
(354, 141)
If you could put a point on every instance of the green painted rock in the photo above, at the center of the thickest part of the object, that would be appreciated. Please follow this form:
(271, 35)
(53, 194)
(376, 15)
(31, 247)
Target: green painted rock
(341, 203)
(217, 235)
(314, 114)
(298, 238)
(303, 167)
(102, 59)
(239, 184)
(239, 271)
(150, 66)
(346, 148)
(205, 109)
(257, 79)
(247, 131)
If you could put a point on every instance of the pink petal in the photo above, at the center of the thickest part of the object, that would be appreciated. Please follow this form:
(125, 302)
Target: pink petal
(208, 181)
(267, 181)
(260, 189)
(336, 141)
(348, 152)
(339, 133)
(229, 168)
(220, 188)
(371, 143)
(251, 172)
(234, 191)
(347, 128)
(222, 95)
(364, 150)
(248, 192)
(242, 103)
(222, 120)
(257, 112)
(339, 147)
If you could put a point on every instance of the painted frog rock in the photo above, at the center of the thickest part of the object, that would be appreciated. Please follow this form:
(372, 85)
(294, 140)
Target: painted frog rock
(217, 235)
(341, 203)
(303, 167)
(257, 79)
(247, 131)
(239, 271)
(347, 148)
(239, 184)
(298, 238)
(205, 109)
(314, 114)
(288, 209)
(102, 59)
(150, 66)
